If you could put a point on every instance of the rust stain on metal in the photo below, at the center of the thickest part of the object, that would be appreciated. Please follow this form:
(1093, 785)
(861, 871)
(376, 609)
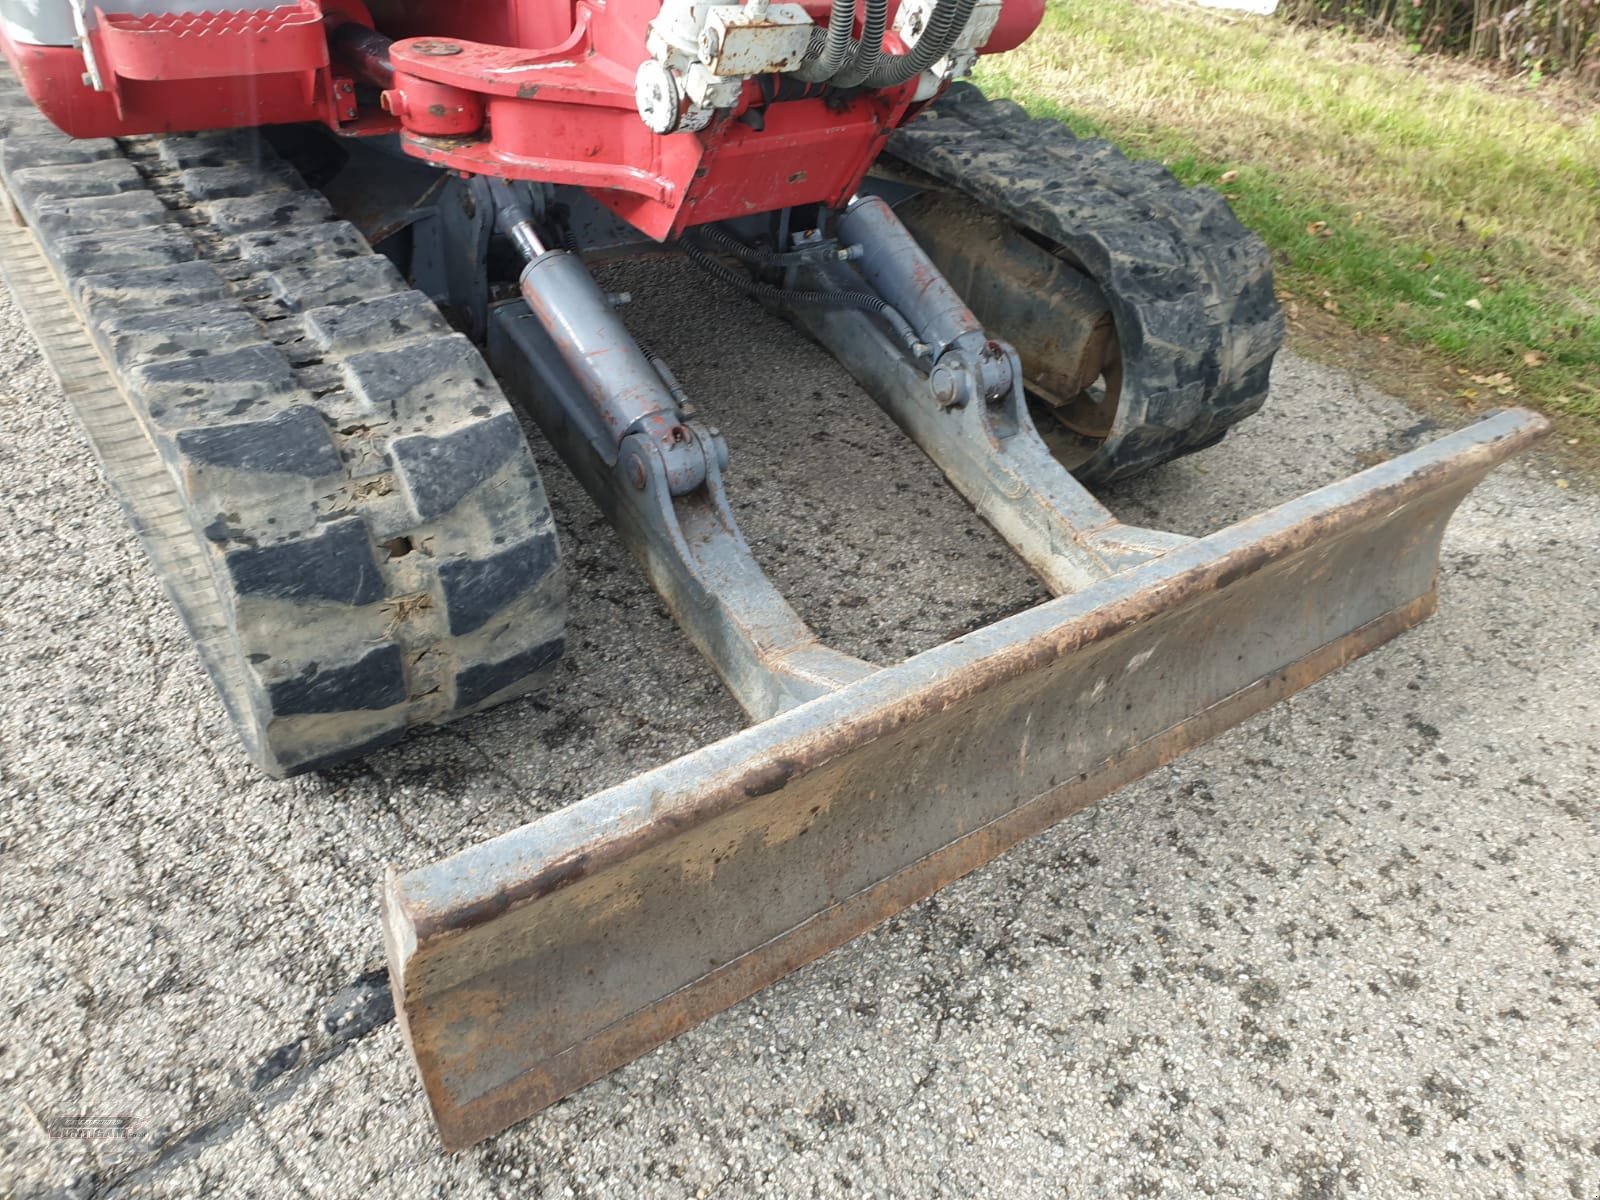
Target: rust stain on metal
(628, 1035)
(773, 777)
(547, 880)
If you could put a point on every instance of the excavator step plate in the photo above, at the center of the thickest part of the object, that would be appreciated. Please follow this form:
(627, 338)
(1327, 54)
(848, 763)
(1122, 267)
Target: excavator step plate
(533, 963)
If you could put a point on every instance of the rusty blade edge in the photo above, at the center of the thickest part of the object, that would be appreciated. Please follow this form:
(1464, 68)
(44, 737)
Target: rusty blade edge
(490, 878)
(464, 1123)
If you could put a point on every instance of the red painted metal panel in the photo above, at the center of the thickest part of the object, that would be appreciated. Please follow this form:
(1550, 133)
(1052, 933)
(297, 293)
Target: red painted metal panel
(53, 78)
(203, 45)
(552, 102)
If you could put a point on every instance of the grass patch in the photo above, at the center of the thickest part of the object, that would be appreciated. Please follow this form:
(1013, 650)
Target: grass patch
(1433, 204)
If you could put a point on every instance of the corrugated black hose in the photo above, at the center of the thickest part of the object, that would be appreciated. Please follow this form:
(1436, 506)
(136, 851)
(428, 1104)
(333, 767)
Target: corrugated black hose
(831, 50)
(837, 59)
(866, 51)
(949, 18)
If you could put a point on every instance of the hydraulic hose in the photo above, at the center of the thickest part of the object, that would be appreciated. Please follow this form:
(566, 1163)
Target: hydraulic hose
(949, 19)
(865, 52)
(842, 61)
(829, 51)
(755, 288)
(725, 243)
(668, 379)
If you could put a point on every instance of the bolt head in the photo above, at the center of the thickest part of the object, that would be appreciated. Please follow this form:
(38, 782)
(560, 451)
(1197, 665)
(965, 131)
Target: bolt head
(943, 385)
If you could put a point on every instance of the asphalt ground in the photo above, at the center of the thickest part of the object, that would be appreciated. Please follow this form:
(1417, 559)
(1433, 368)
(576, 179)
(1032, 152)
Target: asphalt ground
(1350, 947)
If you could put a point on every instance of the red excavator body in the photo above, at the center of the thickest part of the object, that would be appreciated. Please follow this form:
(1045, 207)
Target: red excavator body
(517, 90)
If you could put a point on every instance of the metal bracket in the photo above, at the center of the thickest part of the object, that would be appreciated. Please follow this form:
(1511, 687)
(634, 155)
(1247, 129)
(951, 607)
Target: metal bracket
(450, 258)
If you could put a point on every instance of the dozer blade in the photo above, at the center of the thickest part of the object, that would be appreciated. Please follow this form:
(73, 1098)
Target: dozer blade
(531, 964)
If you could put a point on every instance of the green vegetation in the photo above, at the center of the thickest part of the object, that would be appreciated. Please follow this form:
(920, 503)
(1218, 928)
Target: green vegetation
(1432, 203)
(1535, 37)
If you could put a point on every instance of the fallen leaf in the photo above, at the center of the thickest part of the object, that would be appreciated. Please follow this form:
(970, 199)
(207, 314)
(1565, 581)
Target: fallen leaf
(1227, 177)
(1317, 229)
(1562, 484)
(1469, 393)
(1383, 337)
(1475, 304)
(1356, 219)
(1230, 195)
(1331, 304)
(1534, 358)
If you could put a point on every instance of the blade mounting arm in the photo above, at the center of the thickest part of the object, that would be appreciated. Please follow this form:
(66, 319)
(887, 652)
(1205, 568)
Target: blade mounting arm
(969, 412)
(606, 408)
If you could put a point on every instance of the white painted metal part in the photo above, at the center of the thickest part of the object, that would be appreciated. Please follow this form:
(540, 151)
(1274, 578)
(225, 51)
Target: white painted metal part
(655, 92)
(739, 40)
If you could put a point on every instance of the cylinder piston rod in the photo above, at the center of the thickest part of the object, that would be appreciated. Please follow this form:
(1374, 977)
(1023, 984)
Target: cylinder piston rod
(968, 364)
(904, 275)
(364, 50)
(626, 393)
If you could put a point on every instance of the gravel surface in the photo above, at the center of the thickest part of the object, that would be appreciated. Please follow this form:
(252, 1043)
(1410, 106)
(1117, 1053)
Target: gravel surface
(1349, 948)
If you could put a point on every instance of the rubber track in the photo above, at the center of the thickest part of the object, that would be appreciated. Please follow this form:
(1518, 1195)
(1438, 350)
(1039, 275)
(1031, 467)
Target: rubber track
(1189, 287)
(357, 536)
